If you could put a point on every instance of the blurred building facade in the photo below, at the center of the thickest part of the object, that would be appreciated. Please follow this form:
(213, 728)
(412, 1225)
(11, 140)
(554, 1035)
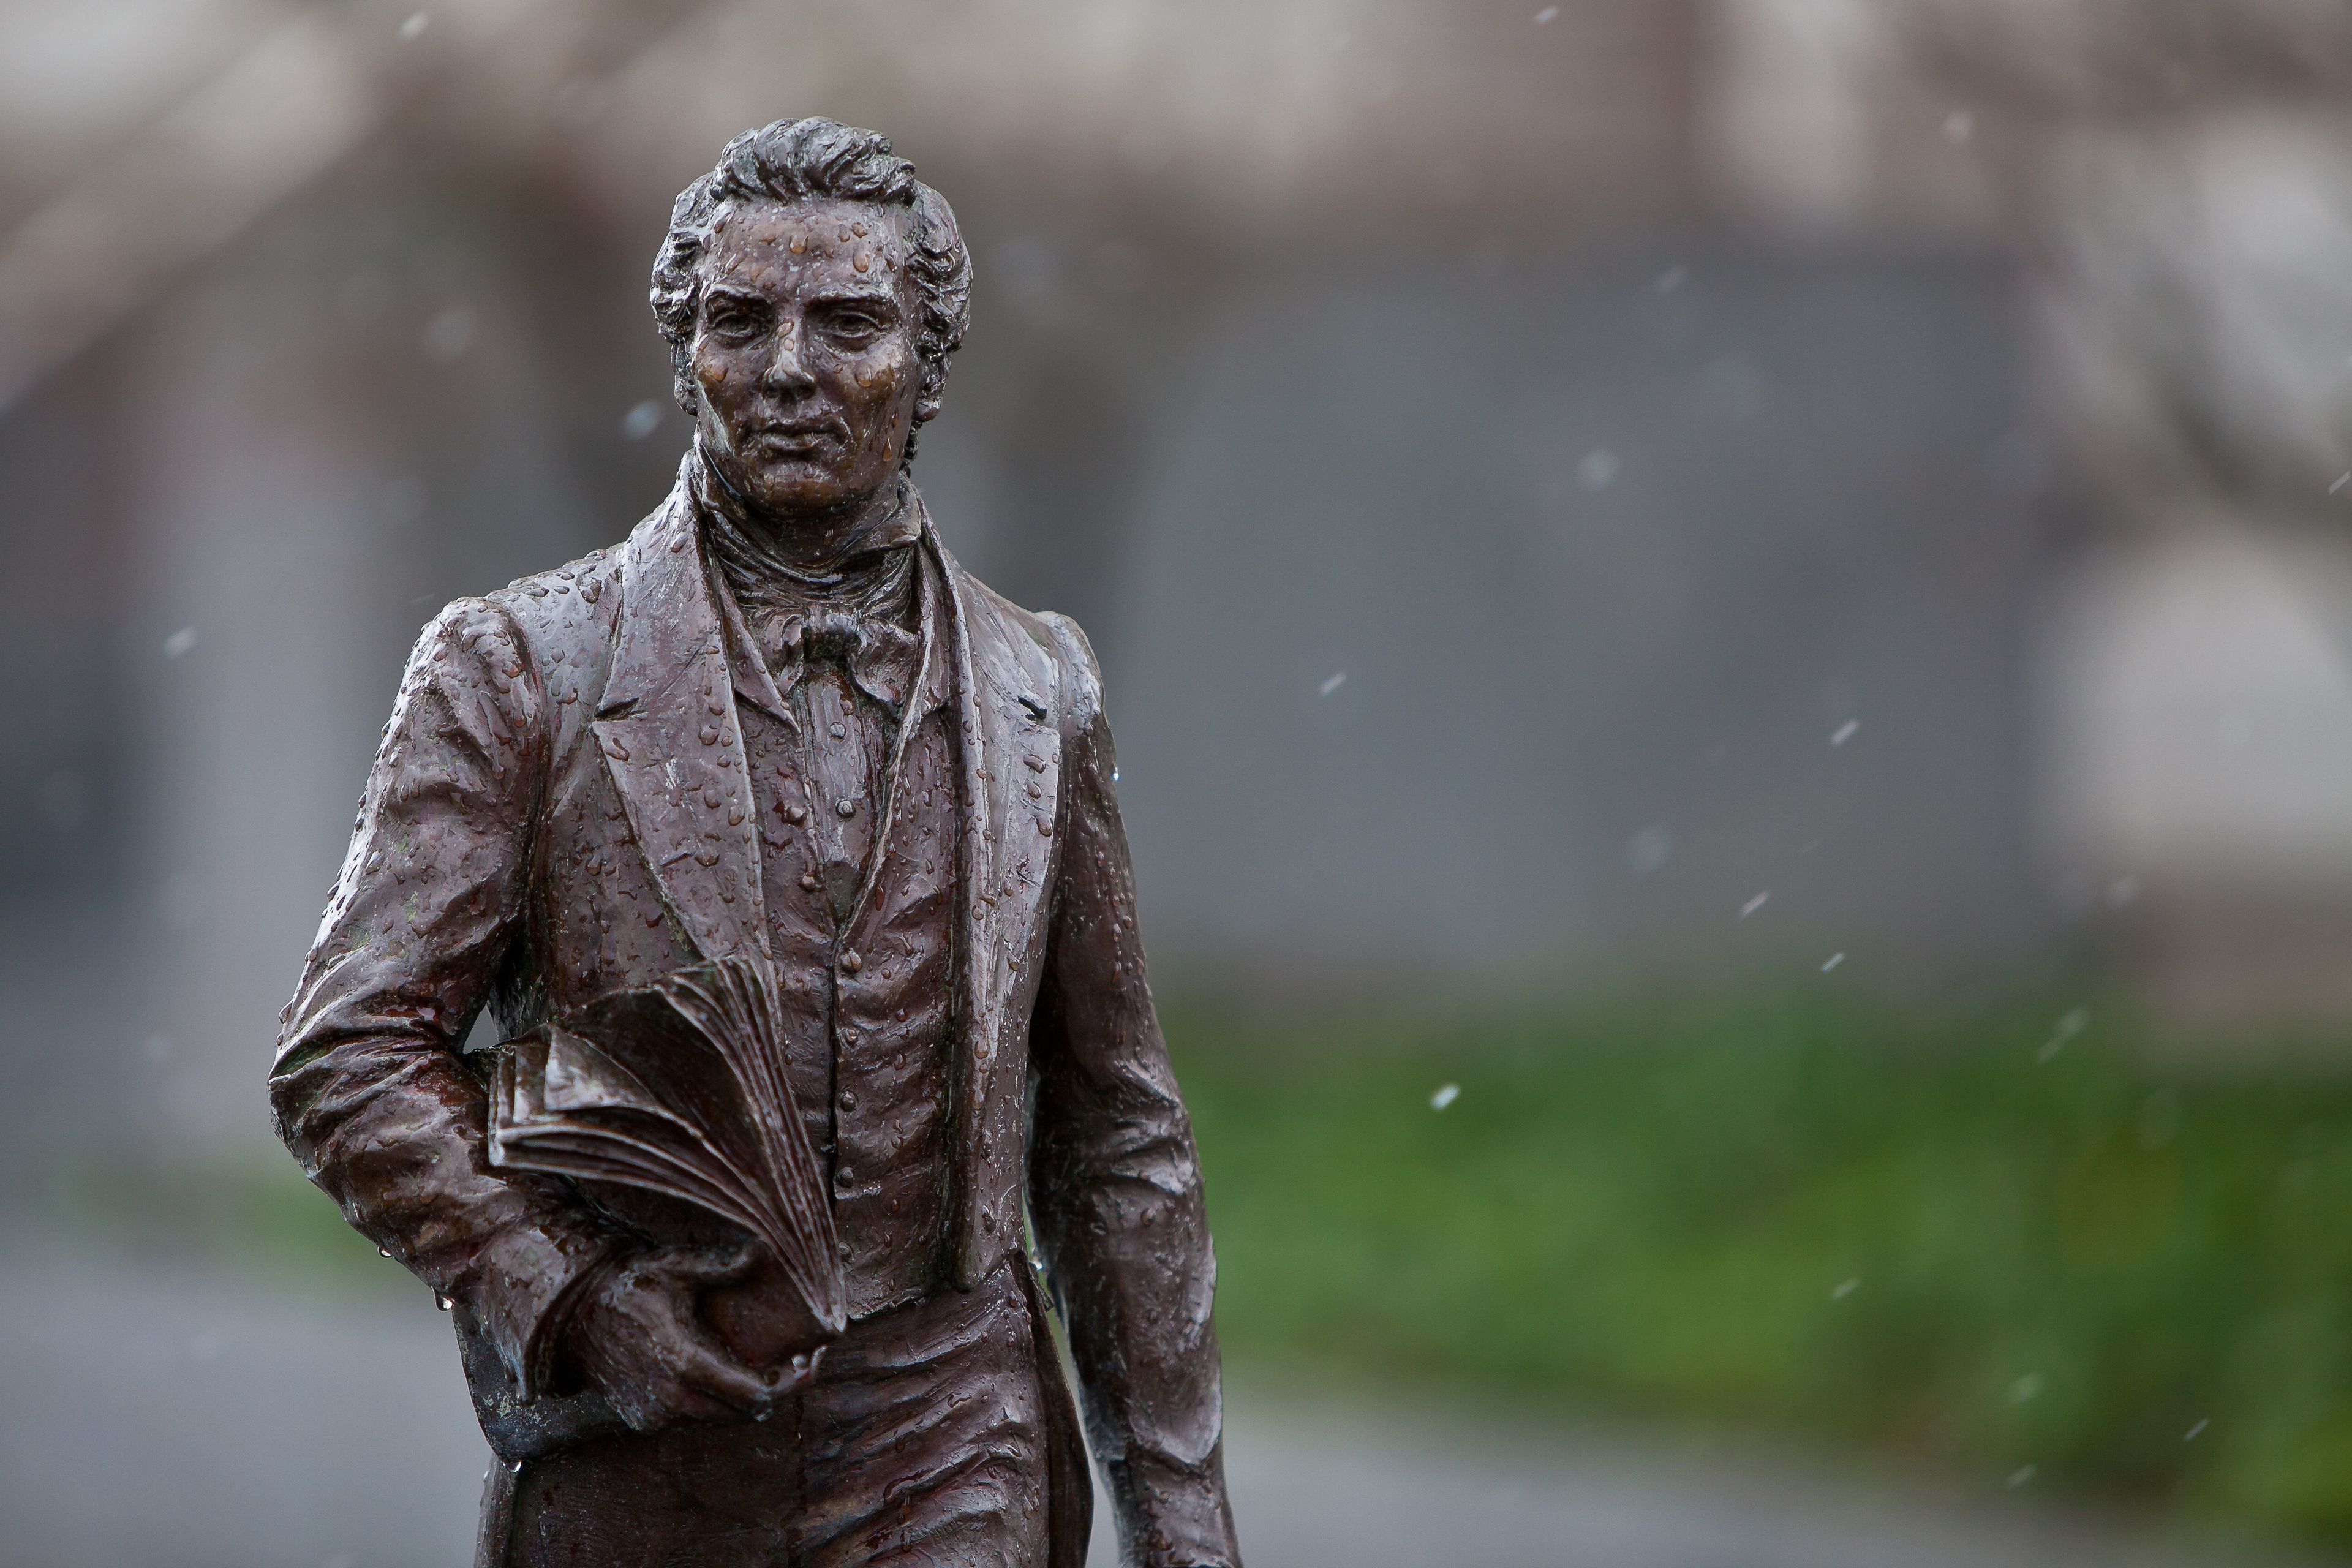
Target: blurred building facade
(1596, 493)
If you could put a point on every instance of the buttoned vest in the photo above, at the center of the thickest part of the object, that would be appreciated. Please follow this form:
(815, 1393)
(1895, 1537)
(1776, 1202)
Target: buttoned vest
(867, 1004)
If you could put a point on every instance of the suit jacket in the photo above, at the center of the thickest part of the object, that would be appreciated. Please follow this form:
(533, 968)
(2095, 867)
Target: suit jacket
(560, 808)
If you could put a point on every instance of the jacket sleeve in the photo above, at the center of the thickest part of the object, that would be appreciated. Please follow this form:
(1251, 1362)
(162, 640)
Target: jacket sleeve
(368, 1089)
(1115, 1183)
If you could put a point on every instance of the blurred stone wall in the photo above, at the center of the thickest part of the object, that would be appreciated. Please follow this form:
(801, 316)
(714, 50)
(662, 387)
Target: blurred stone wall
(1570, 494)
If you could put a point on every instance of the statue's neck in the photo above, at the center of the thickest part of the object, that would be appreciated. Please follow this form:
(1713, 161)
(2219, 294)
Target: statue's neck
(816, 549)
(836, 557)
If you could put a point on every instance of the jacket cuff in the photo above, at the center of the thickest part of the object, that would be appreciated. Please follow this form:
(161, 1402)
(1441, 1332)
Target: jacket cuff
(525, 1288)
(1172, 1515)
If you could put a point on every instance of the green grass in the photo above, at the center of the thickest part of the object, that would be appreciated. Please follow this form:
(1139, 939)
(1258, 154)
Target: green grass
(2068, 1264)
(1649, 1209)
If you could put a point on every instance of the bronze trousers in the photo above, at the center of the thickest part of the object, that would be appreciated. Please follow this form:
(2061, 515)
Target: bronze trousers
(924, 1439)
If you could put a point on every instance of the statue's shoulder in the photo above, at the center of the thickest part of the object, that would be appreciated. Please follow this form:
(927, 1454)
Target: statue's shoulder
(566, 616)
(1049, 645)
(556, 607)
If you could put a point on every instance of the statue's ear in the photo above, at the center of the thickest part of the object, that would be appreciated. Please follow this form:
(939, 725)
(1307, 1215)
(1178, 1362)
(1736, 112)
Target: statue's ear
(928, 395)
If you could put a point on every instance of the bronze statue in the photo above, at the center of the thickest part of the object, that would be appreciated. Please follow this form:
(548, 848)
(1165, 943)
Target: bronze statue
(774, 779)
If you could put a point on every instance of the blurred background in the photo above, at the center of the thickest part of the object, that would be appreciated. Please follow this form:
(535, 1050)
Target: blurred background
(1730, 623)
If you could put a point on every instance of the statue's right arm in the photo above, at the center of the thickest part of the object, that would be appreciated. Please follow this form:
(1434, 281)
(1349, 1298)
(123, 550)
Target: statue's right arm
(368, 1089)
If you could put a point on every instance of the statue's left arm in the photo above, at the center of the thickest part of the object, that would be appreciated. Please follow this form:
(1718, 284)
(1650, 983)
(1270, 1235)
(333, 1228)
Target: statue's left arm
(1115, 1183)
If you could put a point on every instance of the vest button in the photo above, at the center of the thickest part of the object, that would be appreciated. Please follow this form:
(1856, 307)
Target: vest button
(851, 963)
(848, 1101)
(796, 814)
(808, 881)
(846, 808)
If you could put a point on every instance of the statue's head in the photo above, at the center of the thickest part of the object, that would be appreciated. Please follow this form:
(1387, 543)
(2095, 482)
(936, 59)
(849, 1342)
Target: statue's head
(811, 290)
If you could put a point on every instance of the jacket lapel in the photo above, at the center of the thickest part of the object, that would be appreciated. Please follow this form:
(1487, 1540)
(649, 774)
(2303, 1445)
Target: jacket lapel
(1009, 760)
(668, 728)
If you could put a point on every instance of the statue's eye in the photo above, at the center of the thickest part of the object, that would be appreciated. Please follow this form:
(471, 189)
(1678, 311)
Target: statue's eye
(732, 322)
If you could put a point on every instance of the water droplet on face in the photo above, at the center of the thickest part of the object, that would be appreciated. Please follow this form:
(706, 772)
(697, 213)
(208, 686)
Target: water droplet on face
(384, 1252)
(444, 1302)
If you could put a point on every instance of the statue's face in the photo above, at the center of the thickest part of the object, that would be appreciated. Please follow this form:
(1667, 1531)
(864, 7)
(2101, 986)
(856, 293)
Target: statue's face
(804, 374)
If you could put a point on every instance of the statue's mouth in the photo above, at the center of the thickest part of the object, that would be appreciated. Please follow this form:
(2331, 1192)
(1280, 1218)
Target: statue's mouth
(798, 437)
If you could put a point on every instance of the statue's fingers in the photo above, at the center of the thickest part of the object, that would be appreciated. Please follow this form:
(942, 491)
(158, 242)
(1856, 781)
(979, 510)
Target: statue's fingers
(801, 1370)
(707, 1370)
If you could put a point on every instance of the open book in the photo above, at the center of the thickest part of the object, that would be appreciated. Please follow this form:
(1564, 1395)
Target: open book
(679, 1089)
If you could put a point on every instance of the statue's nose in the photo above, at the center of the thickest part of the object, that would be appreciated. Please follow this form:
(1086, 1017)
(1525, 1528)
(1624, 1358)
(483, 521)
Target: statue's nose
(787, 375)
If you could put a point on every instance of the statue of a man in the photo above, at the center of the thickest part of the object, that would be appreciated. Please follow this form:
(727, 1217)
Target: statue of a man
(781, 723)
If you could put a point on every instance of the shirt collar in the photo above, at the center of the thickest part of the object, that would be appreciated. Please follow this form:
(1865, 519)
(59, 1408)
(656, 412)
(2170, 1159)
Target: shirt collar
(889, 663)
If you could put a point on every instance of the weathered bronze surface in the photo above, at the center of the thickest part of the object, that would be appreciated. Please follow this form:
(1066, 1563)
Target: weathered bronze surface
(779, 727)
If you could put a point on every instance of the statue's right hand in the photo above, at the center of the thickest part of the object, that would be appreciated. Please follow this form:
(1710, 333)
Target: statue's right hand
(639, 1341)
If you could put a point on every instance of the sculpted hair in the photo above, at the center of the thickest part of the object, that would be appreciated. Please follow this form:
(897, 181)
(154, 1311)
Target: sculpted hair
(794, 160)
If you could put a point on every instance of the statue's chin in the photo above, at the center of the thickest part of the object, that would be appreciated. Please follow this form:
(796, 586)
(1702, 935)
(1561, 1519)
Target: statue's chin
(783, 491)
